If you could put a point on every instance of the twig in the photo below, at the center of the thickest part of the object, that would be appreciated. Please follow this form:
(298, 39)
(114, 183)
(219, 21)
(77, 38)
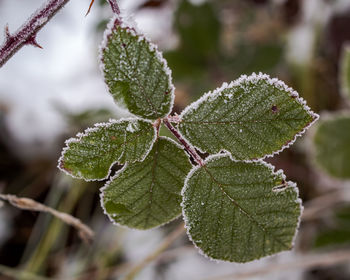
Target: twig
(301, 262)
(187, 146)
(164, 245)
(114, 6)
(26, 34)
(85, 232)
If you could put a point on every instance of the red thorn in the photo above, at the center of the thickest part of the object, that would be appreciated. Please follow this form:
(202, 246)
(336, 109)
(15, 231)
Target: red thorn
(7, 32)
(32, 41)
(91, 3)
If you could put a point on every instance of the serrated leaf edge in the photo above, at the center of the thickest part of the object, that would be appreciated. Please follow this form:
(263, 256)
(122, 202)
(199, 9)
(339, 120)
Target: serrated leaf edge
(290, 184)
(130, 26)
(212, 95)
(102, 189)
(89, 130)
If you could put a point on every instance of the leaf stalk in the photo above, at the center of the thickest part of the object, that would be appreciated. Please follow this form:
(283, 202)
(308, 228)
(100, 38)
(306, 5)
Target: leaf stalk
(188, 147)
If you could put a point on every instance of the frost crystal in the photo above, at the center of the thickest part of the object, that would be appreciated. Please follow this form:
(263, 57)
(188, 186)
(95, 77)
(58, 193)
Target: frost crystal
(252, 117)
(135, 71)
(239, 209)
(91, 155)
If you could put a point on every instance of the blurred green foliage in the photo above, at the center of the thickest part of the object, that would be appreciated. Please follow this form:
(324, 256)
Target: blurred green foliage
(212, 50)
(337, 234)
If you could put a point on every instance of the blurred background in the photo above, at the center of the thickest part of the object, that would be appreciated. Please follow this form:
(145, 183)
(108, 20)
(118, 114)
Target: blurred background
(47, 96)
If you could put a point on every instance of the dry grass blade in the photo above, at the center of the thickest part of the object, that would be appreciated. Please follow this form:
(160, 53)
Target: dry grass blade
(85, 233)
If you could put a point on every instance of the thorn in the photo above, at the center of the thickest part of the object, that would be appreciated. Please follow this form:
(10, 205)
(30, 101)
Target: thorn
(32, 41)
(7, 32)
(91, 3)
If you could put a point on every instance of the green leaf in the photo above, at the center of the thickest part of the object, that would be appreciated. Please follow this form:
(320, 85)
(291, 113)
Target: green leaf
(250, 118)
(136, 73)
(147, 194)
(91, 155)
(240, 211)
(345, 71)
(332, 146)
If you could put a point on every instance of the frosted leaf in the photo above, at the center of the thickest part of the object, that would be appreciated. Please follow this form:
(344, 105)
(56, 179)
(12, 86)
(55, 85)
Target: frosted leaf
(136, 73)
(332, 146)
(147, 194)
(240, 211)
(345, 71)
(91, 155)
(252, 117)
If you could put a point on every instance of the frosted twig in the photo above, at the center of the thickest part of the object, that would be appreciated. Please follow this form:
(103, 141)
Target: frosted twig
(300, 262)
(163, 246)
(85, 232)
(186, 145)
(26, 34)
(113, 4)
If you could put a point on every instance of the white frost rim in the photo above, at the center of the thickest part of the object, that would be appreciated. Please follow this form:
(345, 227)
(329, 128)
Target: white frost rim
(273, 172)
(111, 179)
(130, 26)
(96, 127)
(253, 78)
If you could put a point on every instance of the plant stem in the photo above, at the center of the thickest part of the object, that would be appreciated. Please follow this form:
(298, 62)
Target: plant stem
(85, 233)
(186, 145)
(114, 6)
(26, 34)
(54, 231)
(164, 245)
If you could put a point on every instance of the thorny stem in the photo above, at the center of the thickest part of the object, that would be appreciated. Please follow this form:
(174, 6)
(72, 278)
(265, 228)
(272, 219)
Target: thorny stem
(114, 6)
(26, 34)
(186, 145)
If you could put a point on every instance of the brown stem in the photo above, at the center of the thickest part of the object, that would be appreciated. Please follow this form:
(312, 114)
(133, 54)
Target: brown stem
(114, 6)
(26, 34)
(186, 145)
(24, 203)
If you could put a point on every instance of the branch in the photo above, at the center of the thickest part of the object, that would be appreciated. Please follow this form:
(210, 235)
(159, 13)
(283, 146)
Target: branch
(187, 146)
(85, 232)
(114, 6)
(26, 34)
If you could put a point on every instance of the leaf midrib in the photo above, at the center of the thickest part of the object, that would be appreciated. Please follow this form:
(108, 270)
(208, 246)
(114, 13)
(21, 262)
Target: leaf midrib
(137, 81)
(265, 230)
(115, 149)
(240, 122)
